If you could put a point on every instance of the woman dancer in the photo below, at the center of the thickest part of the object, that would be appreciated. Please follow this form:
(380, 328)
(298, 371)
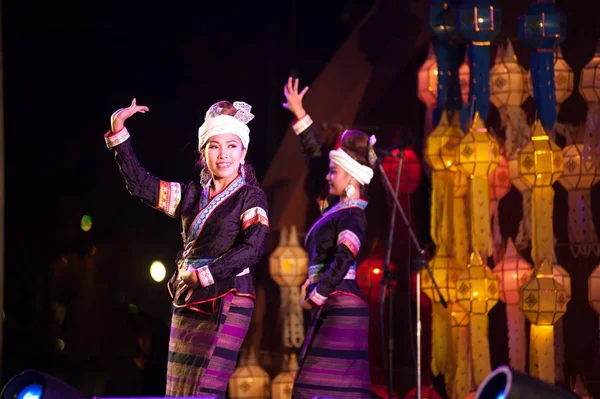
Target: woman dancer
(224, 226)
(334, 358)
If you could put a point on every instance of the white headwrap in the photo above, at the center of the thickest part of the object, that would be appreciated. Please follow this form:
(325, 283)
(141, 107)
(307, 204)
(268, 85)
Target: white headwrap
(215, 123)
(363, 174)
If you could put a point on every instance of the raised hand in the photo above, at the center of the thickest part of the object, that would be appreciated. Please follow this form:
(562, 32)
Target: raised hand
(294, 99)
(118, 118)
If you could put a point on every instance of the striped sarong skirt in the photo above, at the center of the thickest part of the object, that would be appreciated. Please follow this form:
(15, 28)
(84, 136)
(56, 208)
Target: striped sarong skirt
(203, 350)
(334, 361)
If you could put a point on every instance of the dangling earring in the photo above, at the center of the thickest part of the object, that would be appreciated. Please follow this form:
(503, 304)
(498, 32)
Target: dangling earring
(242, 170)
(349, 190)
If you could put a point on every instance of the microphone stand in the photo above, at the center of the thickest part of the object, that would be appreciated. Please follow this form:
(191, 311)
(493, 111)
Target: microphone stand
(387, 278)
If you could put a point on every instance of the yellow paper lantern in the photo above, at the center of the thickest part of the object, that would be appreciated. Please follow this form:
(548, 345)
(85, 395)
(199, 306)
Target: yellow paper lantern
(440, 146)
(478, 151)
(445, 271)
(512, 272)
(283, 384)
(249, 380)
(288, 264)
(478, 154)
(477, 287)
(589, 81)
(461, 185)
(543, 300)
(594, 289)
(540, 163)
(508, 79)
(427, 80)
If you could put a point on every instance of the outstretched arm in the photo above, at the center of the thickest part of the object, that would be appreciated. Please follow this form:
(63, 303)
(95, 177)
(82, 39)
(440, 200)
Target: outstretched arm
(159, 194)
(313, 149)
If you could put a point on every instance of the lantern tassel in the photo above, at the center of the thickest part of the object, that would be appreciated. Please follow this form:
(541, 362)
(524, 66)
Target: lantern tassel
(543, 234)
(461, 231)
(462, 376)
(480, 348)
(541, 354)
(559, 351)
(517, 341)
(517, 131)
(582, 232)
(523, 239)
(479, 203)
(497, 247)
(439, 340)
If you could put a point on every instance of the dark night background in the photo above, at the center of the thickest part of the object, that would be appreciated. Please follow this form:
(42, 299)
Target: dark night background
(68, 65)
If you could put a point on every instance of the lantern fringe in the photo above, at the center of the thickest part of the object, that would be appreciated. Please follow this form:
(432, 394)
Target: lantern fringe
(559, 351)
(497, 244)
(517, 131)
(293, 318)
(480, 347)
(541, 353)
(461, 231)
(523, 239)
(583, 239)
(592, 130)
(461, 384)
(479, 204)
(542, 205)
(440, 340)
(517, 340)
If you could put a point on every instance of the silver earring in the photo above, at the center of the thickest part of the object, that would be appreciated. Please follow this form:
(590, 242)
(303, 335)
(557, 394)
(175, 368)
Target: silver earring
(349, 190)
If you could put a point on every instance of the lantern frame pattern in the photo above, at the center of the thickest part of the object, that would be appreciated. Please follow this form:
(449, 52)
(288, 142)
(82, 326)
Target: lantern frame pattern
(508, 79)
(589, 81)
(427, 80)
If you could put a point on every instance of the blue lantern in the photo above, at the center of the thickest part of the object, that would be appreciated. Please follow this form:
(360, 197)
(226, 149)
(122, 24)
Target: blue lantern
(543, 27)
(442, 24)
(479, 22)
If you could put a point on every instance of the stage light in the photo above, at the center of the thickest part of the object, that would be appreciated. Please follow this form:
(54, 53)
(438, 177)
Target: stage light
(31, 384)
(158, 271)
(504, 383)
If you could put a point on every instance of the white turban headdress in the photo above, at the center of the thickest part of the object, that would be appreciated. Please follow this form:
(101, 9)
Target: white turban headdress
(216, 123)
(363, 174)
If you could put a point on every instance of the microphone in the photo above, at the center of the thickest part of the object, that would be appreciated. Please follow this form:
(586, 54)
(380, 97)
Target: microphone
(401, 144)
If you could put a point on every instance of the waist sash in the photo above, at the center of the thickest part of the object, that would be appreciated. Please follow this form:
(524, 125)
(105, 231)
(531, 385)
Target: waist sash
(315, 272)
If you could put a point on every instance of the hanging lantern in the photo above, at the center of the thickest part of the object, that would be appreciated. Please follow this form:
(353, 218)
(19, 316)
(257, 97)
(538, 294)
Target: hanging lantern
(440, 155)
(563, 77)
(579, 175)
(508, 79)
(479, 22)
(288, 266)
(283, 383)
(477, 292)
(542, 27)
(539, 165)
(499, 182)
(543, 301)
(508, 84)
(427, 80)
(512, 272)
(459, 218)
(589, 81)
(478, 154)
(445, 272)
(542, 298)
(589, 87)
(411, 170)
(442, 26)
(249, 380)
(368, 277)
